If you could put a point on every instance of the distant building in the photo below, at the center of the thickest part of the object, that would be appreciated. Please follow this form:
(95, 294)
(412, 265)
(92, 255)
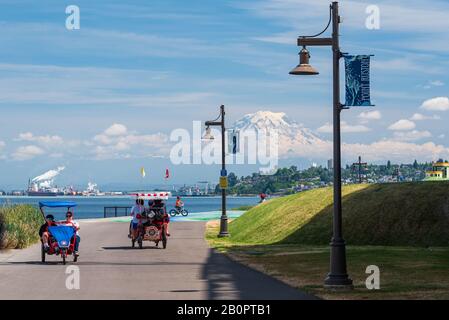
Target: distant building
(439, 172)
(330, 164)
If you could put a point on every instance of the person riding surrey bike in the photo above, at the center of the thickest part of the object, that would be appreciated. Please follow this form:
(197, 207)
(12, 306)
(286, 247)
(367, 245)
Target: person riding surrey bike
(136, 213)
(70, 222)
(43, 231)
(159, 206)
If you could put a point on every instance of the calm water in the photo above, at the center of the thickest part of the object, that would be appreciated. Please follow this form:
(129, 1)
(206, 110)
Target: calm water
(93, 207)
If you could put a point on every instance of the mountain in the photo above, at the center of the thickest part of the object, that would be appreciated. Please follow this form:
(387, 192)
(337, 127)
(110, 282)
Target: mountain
(294, 139)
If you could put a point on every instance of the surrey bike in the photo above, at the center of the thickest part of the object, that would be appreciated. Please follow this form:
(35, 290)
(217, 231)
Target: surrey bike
(61, 238)
(152, 221)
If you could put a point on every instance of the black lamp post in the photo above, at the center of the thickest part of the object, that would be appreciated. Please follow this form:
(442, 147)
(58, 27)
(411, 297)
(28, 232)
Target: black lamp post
(224, 218)
(337, 277)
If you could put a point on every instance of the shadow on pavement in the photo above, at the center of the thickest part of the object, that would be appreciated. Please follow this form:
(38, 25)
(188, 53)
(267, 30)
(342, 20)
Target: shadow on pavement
(94, 263)
(231, 280)
(129, 248)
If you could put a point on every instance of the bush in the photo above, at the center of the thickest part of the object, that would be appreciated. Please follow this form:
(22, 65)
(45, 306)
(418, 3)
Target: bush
(19, 226)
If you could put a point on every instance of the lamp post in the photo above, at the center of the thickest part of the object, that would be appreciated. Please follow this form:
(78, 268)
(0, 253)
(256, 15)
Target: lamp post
(337, 277)
(224, 218)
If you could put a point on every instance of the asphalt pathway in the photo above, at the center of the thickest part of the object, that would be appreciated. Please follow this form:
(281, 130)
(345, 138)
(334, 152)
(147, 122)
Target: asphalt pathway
(110, 269)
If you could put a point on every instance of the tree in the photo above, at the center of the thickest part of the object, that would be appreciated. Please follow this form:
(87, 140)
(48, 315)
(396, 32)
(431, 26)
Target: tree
(232, 179)
(415, 164)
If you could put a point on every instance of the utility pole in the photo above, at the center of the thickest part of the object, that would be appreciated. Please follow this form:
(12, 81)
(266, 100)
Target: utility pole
(359, 165)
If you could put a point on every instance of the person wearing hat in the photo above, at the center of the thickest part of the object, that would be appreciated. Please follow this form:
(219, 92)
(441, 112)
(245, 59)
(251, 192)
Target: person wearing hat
(43, 231)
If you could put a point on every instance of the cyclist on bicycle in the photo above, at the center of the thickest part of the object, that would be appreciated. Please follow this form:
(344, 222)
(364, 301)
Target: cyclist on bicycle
(179, 204)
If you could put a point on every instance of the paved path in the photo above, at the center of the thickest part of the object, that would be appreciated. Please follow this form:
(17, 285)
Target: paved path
(110, 269)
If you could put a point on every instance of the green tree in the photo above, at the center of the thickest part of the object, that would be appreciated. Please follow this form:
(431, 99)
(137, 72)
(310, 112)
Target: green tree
(232, 179)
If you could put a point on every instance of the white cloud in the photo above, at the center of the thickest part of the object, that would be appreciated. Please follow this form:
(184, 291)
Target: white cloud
(27, 153)
(345, 127)
(420, 117)
(442, 136)
(116, 142)
(102, 138)
(48, 84)
(2, 145)
(406, 16)
(56, 155)
(367, 116)
(402, 125)
(433, 83)
(46, 140)
(436, 83)
(116, 130)
(397, 151)
(383, 150)
(411, 135)
(436, 104)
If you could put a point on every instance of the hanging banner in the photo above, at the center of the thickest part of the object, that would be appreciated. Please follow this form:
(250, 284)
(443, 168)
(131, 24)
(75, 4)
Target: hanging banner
(357, 81)
(233, 141)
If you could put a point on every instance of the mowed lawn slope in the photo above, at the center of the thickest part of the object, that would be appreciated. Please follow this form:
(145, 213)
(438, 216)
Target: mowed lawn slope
(405, 214)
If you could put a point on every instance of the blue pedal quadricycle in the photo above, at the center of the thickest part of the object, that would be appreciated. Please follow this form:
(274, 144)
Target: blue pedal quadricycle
(61, 239)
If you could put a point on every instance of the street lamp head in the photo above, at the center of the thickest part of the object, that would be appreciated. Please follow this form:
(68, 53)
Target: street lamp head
(304, 68)
(208, 135)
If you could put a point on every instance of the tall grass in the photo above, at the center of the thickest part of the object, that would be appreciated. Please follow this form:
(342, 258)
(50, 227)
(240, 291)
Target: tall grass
(19, 226)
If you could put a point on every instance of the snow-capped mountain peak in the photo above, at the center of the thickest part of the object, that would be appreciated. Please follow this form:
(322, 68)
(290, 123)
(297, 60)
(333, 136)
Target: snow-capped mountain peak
(290, 132)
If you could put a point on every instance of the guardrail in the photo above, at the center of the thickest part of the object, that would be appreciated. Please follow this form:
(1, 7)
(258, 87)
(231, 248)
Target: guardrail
(116, 211)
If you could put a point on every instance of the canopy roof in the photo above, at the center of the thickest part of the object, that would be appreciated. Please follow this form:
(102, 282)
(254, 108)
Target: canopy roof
(154, 195)
(57, 204)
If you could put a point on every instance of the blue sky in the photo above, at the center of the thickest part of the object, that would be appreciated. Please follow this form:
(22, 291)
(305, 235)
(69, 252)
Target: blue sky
(153, 66)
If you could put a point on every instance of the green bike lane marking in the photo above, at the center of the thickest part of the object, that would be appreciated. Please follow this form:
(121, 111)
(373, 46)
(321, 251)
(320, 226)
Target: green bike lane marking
(194, 216)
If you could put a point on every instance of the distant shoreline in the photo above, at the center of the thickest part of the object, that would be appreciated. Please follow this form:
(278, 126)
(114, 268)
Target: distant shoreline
(115, 197)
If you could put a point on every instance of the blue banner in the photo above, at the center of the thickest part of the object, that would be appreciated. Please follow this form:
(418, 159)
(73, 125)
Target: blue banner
(358, 80)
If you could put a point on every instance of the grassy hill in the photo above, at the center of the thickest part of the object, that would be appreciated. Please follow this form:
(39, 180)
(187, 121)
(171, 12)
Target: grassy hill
(406, 214)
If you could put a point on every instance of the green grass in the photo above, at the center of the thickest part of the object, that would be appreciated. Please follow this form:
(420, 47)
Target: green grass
(242, 208)
(405, 272)
(401, 228)
(406, 214)
(19, 226)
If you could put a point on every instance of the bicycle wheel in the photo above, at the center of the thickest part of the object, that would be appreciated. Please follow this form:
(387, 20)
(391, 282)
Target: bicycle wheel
(173, 212)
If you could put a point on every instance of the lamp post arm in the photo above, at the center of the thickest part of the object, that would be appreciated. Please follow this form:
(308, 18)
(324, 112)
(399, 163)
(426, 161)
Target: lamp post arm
(311, 42)
(213, 123)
